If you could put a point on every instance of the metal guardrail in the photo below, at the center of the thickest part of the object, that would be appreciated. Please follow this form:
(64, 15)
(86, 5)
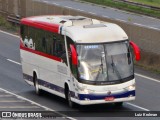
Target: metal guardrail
(139, 4)
(13, 19)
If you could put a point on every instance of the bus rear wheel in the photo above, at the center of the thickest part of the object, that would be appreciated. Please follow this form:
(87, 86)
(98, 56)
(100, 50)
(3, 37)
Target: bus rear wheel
(36, 84)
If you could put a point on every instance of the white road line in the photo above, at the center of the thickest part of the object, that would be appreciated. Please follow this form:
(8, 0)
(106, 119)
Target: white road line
(80, 10)
(46, 108)
(92, 13)
(20, 107)
(56, 4)
(140, 25)
(106, 17)
(68, 7)
(154, 28)
(149, 78)
(10, 101)
(9, 34)
(121, 20)
(14, 61)
(137, 106)
(5, 96)
(146, 26)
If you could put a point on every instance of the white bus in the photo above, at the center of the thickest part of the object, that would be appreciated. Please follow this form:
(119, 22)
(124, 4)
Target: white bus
(84, 60)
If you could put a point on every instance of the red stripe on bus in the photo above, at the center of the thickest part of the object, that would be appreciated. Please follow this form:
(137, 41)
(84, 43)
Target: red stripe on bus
(41, 25)
(40, 53)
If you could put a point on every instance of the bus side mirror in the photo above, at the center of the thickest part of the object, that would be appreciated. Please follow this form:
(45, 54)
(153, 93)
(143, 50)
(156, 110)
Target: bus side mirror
(74, 55)
(136, 50)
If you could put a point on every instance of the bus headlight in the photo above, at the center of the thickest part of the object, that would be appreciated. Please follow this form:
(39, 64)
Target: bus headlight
(87, 91)
(84, 89)
(131, 87)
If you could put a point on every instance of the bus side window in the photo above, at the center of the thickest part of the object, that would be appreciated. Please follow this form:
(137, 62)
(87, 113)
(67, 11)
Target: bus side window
(24, 34)
(49, 43)
(31, 38)
(60, 48)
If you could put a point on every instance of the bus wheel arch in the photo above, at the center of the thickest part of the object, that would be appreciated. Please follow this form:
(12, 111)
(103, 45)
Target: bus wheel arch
(68, 96)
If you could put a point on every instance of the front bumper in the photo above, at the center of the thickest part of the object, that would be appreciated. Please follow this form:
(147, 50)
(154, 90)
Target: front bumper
(91, 102)
(86, 99)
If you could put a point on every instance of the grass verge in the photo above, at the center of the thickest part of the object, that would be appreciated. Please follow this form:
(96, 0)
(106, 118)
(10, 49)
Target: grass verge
(155, 3)
(125, 6)
(7, 26)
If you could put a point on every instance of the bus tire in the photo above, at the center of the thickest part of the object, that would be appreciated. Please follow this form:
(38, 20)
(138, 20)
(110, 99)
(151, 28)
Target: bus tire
(36, 84)
(118, 104)
(68, 97)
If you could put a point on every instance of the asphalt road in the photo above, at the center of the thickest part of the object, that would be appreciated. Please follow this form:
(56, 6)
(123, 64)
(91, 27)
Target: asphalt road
(147, 90)
(108, 12)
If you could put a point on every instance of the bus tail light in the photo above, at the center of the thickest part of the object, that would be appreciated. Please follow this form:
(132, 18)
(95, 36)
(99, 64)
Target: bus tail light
(136, 51)
(74, 55)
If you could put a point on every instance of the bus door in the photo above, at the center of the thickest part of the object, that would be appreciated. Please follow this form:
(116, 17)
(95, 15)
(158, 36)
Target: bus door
(62, 67)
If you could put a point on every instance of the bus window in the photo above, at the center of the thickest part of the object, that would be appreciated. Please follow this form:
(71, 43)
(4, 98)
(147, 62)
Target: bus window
(50, 43)
(60, 48)
(72, 67)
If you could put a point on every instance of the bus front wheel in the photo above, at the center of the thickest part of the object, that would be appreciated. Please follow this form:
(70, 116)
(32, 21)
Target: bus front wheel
(68, 98)
(38, 91)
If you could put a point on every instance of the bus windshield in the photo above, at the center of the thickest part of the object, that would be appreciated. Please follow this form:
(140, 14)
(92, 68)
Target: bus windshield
(108, 62)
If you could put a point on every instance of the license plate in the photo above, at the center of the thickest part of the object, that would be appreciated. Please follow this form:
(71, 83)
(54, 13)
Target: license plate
(109, 98)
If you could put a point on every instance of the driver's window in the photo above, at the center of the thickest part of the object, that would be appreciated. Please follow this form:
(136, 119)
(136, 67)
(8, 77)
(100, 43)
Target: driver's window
(72, 67)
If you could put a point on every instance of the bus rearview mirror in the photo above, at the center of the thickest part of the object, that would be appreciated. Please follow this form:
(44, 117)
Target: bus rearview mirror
(74, 55)
(136, 51)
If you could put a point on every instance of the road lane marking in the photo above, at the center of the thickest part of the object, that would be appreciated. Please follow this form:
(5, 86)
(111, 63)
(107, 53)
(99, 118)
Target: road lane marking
(141, 25)
(5, 96)
(9, 34)
(121, 20)
(35, 103)
(80, 10)
(137, 106)
(68, 7)
(10, 101)
(14, 61)
(56, 4)
(107, 17)
(92, 13)
(149, 78)
(20, 107)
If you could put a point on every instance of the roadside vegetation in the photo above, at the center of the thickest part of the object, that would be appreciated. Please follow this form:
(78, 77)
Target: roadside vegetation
(5, 25)
(155, 3)
(131, 8)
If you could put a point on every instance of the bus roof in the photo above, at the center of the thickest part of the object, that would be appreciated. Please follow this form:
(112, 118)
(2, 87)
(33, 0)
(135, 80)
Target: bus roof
(80, 29)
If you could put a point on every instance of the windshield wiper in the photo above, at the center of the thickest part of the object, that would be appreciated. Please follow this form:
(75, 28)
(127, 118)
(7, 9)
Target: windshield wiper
(115, 68)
